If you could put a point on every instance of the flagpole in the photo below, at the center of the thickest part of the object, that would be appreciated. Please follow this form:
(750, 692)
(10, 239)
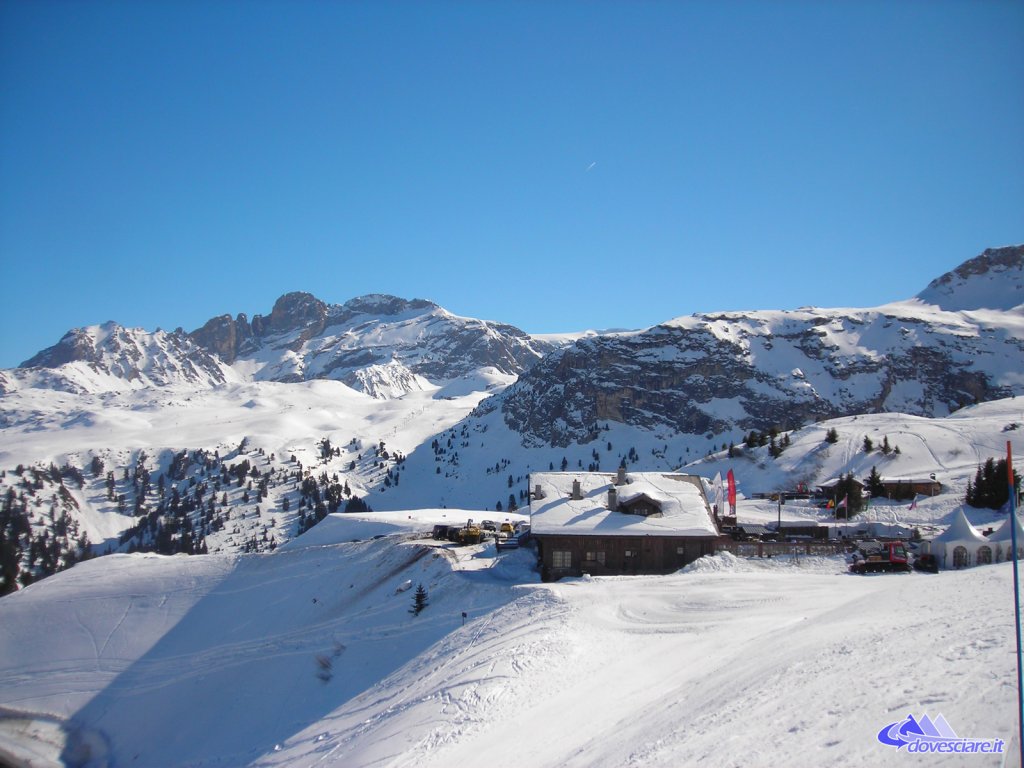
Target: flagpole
(1016, 599)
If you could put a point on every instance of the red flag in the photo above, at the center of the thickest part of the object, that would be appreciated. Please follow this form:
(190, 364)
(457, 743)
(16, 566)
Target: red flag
(843, 502)
(732, 488)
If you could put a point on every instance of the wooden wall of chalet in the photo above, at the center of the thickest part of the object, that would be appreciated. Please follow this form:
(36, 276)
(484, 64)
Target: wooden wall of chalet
(626, 555)
(907, 489)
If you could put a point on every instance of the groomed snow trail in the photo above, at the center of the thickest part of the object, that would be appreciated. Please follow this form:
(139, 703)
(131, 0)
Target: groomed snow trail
(221, 661)
(731, 663)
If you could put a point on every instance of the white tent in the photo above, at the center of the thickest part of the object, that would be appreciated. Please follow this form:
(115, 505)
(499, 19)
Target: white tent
(1002, 542)
(960, 545)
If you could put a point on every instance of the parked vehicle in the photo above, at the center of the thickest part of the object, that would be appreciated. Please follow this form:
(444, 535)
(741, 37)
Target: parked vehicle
(926, 563)
(488, 525)
(880, 557)
(471, 534)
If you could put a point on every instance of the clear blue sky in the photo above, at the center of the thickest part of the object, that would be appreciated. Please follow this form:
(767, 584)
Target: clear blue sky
(554, 165)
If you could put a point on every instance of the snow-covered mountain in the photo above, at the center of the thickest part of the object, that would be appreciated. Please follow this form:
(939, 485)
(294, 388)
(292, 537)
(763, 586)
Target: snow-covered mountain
(416, 406)
(993, 280)
(302, 648)
(111, 358)
(381, 345)
(724, 374)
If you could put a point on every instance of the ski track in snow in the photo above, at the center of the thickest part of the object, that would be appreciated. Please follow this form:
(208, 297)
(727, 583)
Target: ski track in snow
(730, 662)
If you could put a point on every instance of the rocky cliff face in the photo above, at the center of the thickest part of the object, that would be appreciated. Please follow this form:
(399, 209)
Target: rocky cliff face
(993, 280)
(725, 374)
(109, 357)
(379, 344)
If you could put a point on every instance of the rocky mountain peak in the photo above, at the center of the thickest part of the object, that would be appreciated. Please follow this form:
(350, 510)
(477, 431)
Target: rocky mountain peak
(992, 280)
(110, 356)
(385, 304)
(296, 311)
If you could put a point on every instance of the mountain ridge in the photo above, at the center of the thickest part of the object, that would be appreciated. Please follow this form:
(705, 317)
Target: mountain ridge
(400, 404)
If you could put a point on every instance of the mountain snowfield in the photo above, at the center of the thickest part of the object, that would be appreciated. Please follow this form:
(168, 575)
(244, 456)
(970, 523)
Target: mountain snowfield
(309, 654)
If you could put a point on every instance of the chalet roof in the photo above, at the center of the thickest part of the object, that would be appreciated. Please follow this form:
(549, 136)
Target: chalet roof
(1005, 533)
(684, 508)
(907, 480)
(833, 482)
(960, 530)
(753, 529)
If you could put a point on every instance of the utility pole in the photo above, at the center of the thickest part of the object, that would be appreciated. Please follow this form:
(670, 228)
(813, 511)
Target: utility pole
(1016, 598)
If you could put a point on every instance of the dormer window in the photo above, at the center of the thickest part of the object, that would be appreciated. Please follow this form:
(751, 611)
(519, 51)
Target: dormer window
(642, 505)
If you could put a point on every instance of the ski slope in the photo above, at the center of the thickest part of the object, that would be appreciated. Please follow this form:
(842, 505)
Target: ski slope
(311, 656)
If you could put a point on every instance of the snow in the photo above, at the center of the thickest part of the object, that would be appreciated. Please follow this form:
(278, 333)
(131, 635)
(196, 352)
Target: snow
(310, 656)
(684, 509)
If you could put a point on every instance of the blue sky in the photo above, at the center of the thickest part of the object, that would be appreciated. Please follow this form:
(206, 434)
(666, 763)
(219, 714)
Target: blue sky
(555, 165)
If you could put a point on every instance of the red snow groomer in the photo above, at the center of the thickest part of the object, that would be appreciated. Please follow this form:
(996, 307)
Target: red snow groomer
(880, 557)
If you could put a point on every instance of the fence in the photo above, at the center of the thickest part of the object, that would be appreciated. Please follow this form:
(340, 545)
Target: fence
(778, 548)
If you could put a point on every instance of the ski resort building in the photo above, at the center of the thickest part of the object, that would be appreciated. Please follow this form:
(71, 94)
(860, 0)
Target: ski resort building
(909, 487)
(605, 524)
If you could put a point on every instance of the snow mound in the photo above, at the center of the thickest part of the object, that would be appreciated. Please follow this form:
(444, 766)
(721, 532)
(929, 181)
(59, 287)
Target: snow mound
(723, 561)
(728, 562)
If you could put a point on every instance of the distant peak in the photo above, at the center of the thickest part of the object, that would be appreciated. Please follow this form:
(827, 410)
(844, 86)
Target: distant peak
(992, 280)
(385, 304)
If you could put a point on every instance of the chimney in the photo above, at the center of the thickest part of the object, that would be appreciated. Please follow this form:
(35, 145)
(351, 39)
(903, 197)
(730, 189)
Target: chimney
(620, 476)
(537, 492)
(613, 498)
(576, 493)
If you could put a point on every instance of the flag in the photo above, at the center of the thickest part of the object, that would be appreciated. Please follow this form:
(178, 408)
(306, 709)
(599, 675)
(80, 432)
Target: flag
(731, 478)
(719, 493)
(843, 502)
(831, 503)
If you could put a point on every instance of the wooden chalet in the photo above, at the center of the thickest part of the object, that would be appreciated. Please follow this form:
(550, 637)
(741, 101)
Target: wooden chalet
(909, 487)
(605, 524)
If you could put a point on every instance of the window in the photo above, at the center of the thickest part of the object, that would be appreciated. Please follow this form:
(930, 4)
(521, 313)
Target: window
(561, 558)
(595, 557)
(960, 557)
(984, 555)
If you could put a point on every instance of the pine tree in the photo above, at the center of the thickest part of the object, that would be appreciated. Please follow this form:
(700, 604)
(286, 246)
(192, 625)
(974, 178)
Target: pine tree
(874, 485)
(990, 488)
(419, 600)
(832, 436)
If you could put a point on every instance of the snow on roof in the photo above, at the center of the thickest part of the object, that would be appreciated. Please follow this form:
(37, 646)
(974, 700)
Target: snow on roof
(960, 530)
(684, 508)
(832, 482)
